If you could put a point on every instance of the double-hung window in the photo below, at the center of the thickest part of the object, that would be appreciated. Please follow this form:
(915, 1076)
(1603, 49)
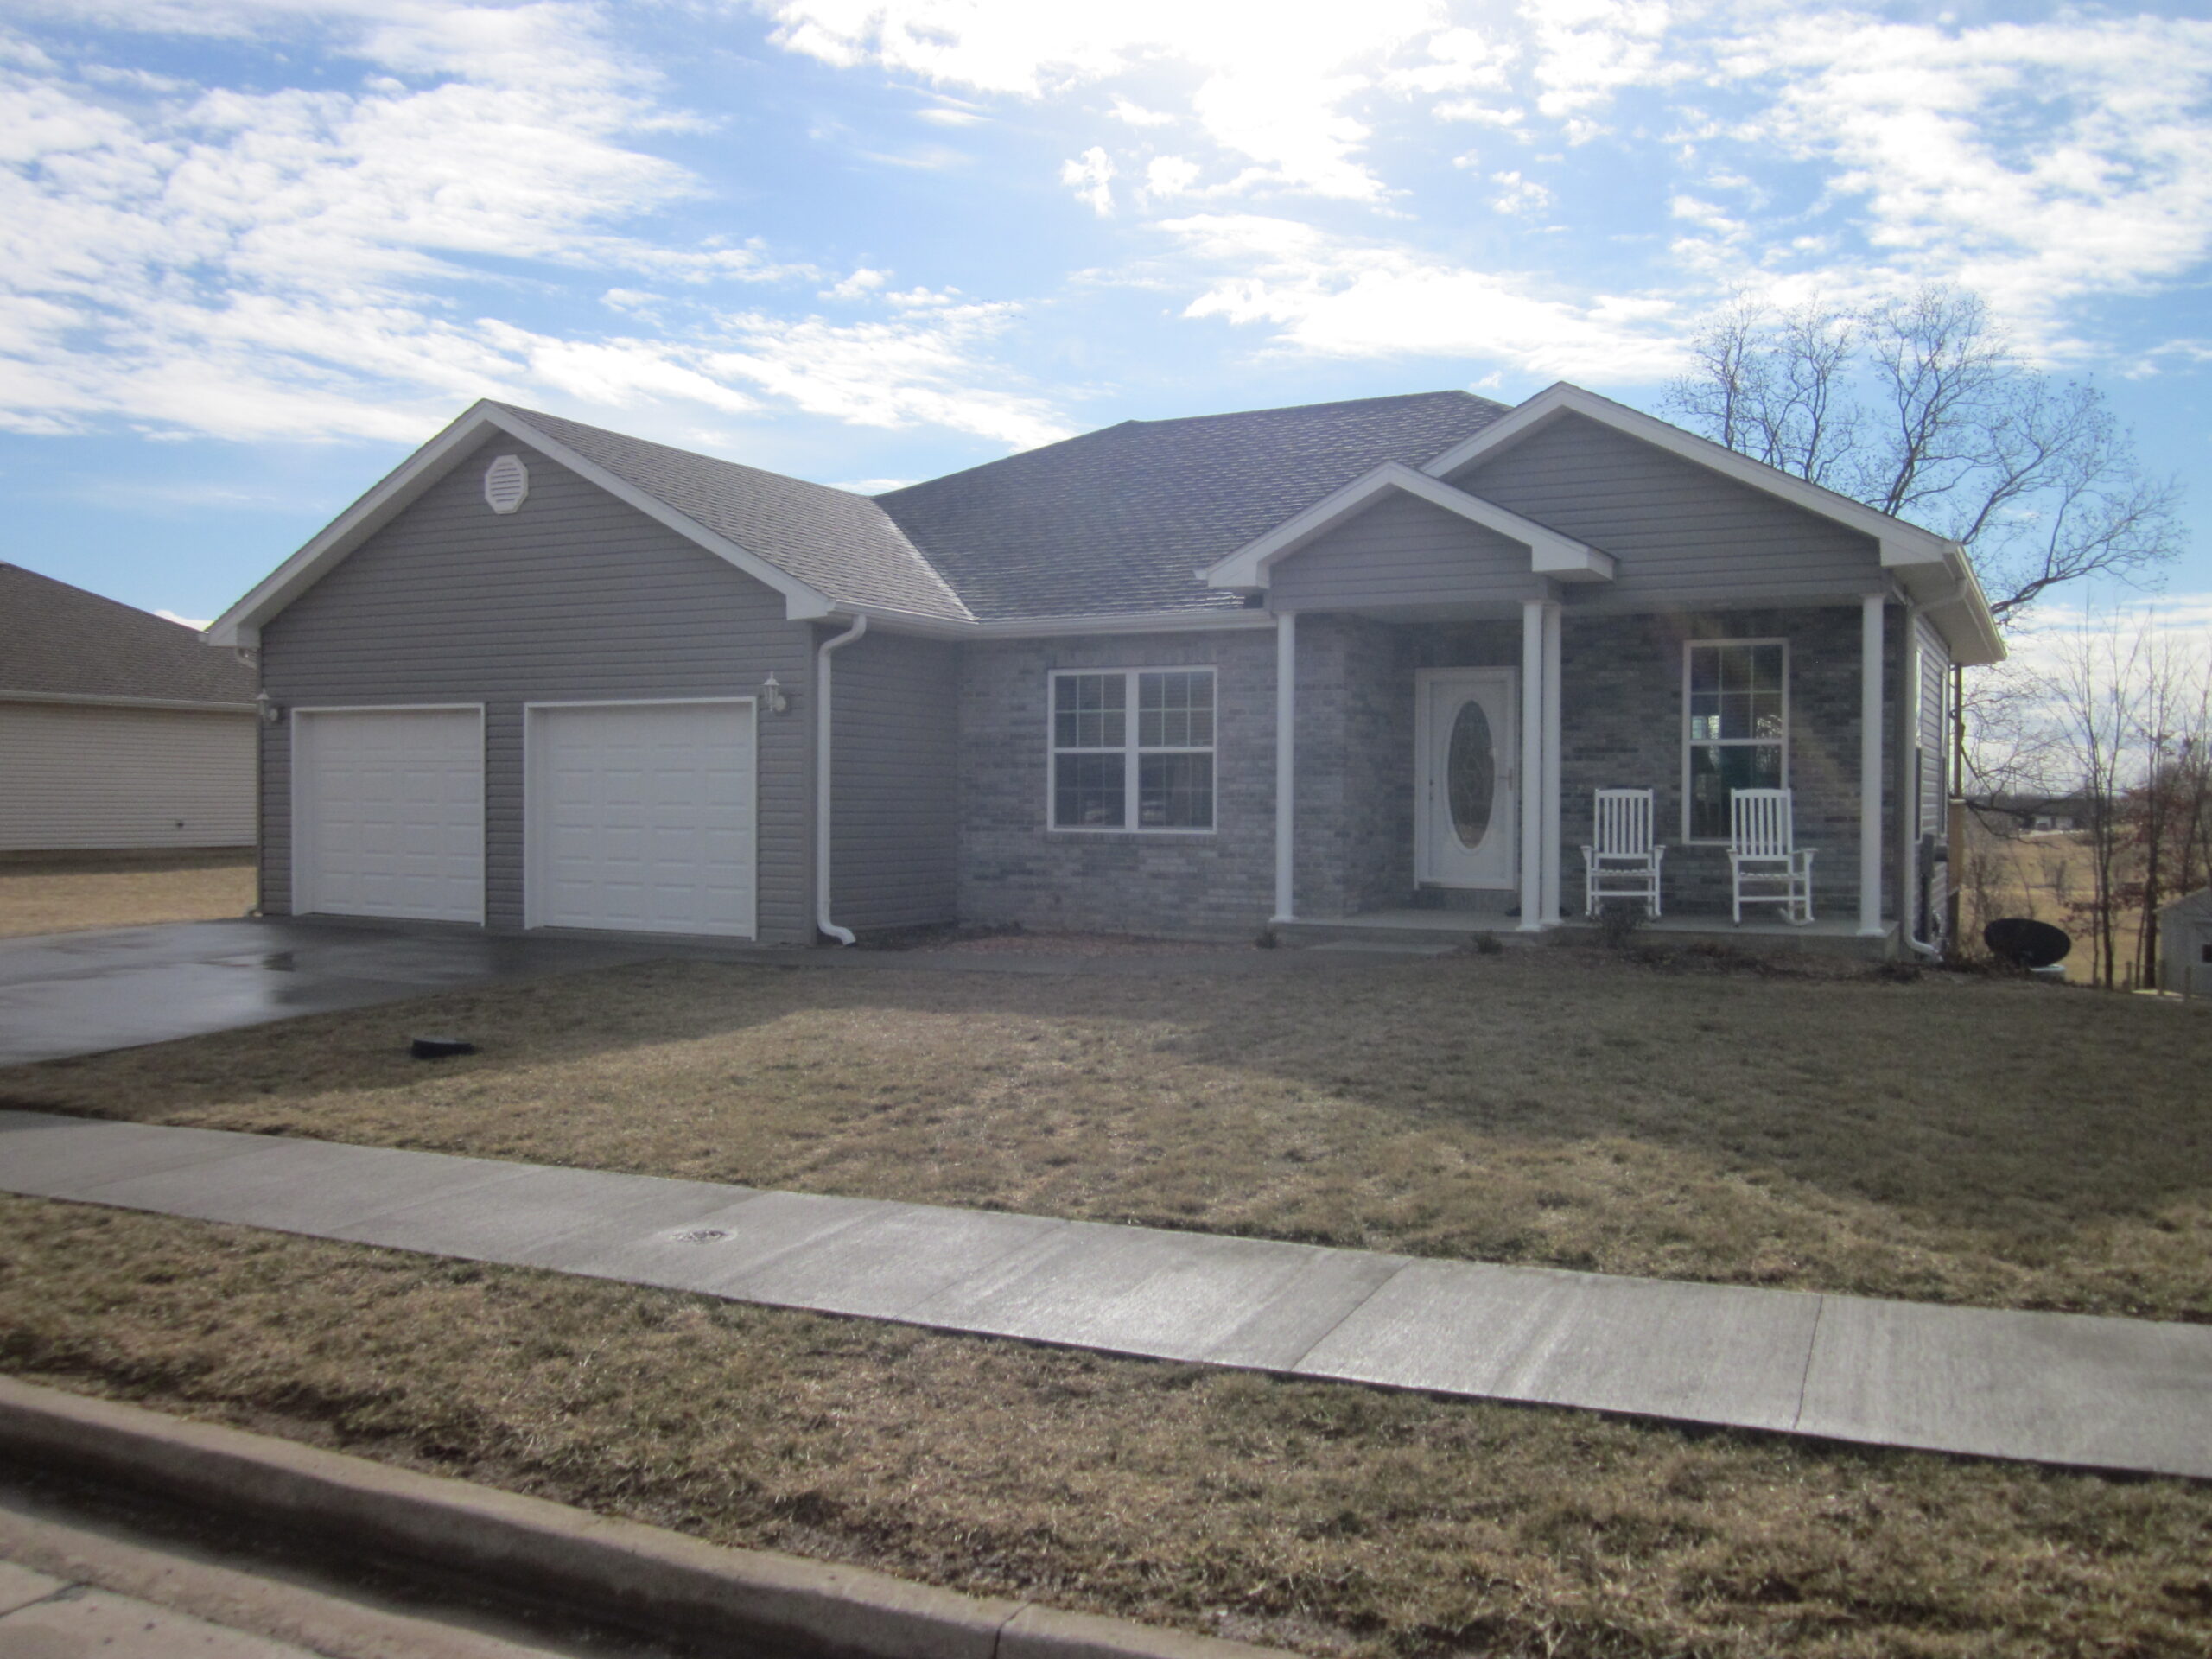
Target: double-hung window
(1132, 749)
(1736, 698)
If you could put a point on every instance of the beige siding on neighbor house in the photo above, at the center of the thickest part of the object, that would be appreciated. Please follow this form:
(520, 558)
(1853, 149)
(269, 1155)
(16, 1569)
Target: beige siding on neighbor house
(81, 775)
(1403, 552)
(1684, 536)
(576, 596)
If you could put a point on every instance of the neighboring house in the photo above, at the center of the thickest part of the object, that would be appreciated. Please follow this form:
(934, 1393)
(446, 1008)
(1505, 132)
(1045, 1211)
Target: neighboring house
(1179, 677)
(118, 729)
(2185, 945)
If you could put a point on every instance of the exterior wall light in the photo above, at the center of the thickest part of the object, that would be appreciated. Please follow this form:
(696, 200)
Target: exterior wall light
(771, 694)
(270, 712)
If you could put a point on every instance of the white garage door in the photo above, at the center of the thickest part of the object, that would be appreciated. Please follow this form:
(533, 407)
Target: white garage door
(389, 813)
(641, 817)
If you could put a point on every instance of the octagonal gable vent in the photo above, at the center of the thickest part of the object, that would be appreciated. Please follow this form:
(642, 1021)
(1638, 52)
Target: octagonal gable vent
(506, 481)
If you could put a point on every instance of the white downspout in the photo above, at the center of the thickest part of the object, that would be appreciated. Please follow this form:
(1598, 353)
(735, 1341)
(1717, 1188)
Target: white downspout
(821, 922)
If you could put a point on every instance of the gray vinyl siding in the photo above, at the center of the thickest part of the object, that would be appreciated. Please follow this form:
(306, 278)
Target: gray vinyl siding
(1403, 551)
(895, 820)
(1684, 536)
(575, 596)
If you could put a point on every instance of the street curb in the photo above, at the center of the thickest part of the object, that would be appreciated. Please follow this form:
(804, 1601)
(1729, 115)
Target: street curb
(612, 1572)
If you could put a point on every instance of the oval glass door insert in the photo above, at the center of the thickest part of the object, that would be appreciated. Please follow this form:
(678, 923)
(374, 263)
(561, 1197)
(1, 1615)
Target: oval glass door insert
(1471, 774)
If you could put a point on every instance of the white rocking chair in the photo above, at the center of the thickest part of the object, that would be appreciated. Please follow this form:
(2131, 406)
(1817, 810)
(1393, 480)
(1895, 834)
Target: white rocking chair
(1764, 856)
(1623, 863)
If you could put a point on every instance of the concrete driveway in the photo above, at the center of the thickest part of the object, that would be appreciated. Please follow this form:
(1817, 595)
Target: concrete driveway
(64, 993)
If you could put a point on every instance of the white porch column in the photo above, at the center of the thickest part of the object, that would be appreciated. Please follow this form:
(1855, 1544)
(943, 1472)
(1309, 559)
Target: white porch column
(1286, 761)
(1870, 766)
(1551, 771)
(1532, 764)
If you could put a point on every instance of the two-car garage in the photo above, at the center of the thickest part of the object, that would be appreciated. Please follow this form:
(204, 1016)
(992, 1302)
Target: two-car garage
(638, 816)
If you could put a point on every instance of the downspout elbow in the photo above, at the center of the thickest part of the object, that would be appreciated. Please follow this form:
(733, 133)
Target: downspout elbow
(822, 779)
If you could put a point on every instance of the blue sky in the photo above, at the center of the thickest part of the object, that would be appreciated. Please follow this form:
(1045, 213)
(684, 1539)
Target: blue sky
(253, 251)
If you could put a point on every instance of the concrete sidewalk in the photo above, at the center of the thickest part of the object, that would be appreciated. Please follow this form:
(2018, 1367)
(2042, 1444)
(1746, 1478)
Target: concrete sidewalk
(2052, 1387)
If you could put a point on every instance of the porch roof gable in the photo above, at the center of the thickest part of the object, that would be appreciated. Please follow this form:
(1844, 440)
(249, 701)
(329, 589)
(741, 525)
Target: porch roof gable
(1550, 554)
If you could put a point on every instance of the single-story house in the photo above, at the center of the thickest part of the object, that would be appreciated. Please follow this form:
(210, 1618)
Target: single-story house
(1192, 676)
(118, 730)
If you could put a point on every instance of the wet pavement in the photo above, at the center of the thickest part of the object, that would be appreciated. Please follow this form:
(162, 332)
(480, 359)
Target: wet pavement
(70, 994)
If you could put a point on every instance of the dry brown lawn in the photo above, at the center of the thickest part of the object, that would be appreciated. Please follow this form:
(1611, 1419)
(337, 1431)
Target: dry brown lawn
(2001, 1142)
(62, 895)
(1333, 1519)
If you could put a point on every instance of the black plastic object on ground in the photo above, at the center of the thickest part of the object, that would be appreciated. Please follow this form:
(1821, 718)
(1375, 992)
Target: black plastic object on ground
(440, 1048)
(2029, 942)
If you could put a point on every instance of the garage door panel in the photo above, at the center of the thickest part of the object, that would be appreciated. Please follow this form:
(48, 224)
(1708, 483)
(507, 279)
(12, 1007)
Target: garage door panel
(391, 813)
(641, 817)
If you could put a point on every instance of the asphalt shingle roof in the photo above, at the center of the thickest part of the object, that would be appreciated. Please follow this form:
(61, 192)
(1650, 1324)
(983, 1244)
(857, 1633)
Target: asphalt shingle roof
(62, 641)
(841, 544)
(1120, 520)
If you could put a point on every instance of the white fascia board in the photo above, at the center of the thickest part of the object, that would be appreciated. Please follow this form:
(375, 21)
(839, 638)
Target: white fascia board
(1901, 543)
(241, 625)
(1550, 553)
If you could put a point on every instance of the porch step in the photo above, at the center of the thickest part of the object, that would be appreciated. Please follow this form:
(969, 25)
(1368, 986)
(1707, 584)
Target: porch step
(1426, 929)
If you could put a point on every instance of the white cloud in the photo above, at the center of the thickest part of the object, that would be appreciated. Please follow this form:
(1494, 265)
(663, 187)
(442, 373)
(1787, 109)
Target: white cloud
(1090, 175)
(1519, 195)
(304, 263)
(1168, 176)
(198, 624)
(1338, 298)
(2035, 162)
(1137, 116)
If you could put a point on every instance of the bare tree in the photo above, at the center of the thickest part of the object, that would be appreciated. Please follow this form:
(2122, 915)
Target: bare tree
(1922, 408)
(2096, 693)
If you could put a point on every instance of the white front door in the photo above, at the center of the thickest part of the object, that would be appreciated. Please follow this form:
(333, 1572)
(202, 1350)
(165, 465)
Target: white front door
(1467, 816)
(388, 813)
(639, 816)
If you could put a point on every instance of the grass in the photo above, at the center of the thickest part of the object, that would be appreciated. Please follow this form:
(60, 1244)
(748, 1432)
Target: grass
(64, 893)
(1332, 1519)
(1997, 1142)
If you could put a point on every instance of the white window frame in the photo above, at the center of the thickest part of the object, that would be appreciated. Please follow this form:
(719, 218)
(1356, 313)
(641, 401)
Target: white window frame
(1131, 753)
(1690, 647)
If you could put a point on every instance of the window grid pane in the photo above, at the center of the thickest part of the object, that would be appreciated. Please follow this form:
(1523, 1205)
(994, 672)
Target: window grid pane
(1175, 791)
(1088, 711)
(1088, 791)
(1738, 721)
(1175, 710)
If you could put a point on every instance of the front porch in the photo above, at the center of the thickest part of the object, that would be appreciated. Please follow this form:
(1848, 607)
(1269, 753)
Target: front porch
(1440, 772)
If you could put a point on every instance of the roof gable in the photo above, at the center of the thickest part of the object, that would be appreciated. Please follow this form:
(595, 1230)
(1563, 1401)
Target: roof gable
(60, 641)
(858, 558)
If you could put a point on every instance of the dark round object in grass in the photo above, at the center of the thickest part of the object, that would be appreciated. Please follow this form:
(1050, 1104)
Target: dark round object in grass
(2031, 944)
(440, 1048)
